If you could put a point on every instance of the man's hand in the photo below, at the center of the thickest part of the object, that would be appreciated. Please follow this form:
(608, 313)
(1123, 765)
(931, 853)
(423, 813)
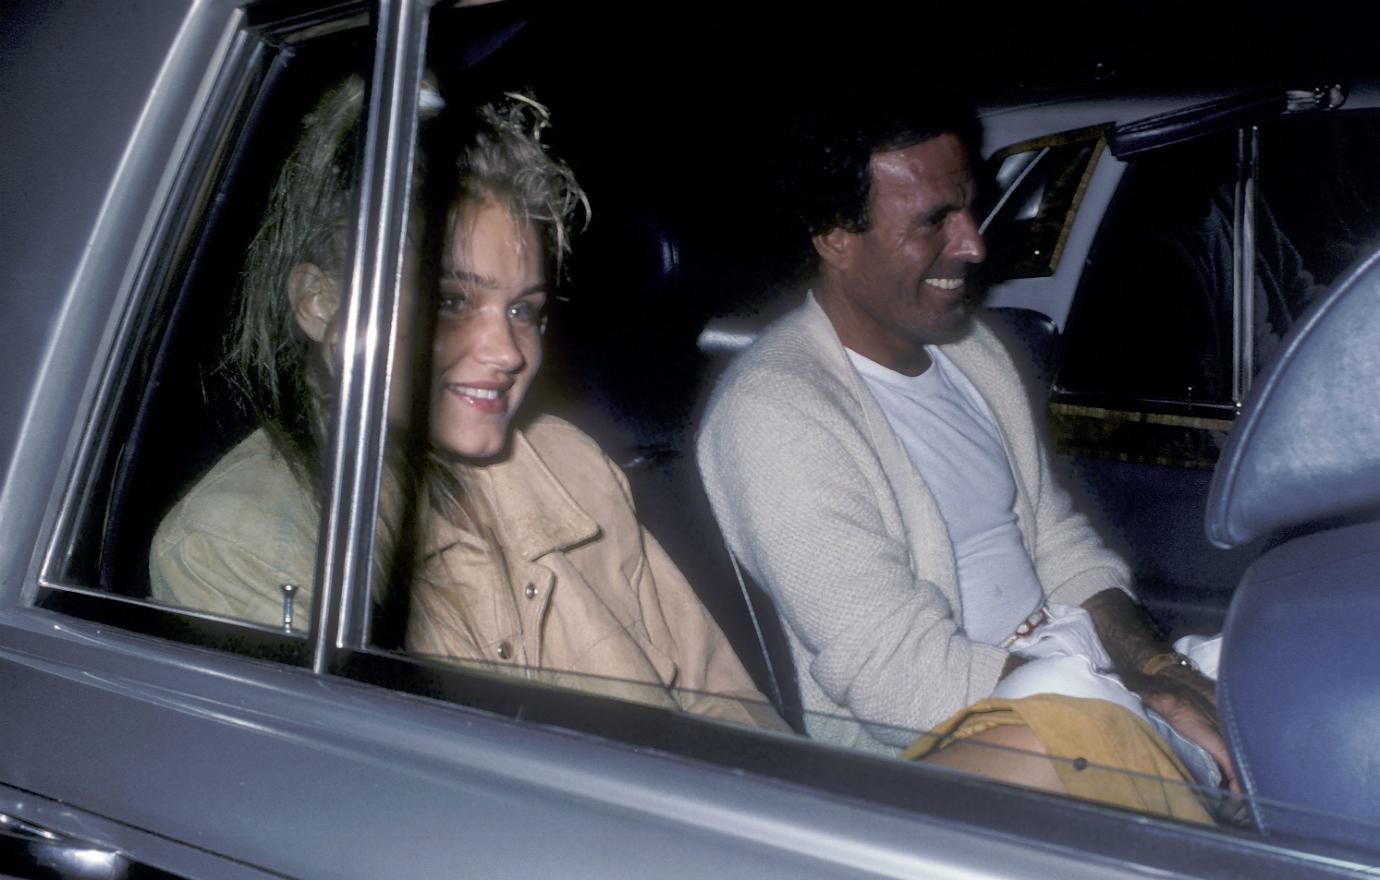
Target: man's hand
(1186, 699)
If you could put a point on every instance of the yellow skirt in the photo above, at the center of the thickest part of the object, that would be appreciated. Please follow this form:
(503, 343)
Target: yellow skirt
(1103, 752)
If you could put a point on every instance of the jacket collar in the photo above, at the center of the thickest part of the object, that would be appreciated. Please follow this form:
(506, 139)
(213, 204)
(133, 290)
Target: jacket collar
(532, 510)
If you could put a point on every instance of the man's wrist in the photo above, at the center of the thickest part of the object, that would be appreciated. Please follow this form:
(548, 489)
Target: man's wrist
(1126, 630)
(1167, 661)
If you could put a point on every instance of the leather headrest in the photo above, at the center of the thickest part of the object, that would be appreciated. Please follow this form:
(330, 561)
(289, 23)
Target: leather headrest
(1307, 444)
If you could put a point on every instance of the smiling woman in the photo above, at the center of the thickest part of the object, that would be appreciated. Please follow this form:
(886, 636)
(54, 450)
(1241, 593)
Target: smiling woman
(488, 336)
(513, 547)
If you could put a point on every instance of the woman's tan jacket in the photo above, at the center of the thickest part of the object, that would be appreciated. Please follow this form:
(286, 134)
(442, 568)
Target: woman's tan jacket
(570, 590)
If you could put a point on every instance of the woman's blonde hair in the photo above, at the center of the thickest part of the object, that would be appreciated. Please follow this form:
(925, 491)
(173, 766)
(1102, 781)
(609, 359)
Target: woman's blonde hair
(498, 153)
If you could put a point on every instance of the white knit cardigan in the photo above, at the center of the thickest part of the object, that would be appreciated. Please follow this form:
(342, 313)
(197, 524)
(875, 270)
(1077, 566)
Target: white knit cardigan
(816, 496)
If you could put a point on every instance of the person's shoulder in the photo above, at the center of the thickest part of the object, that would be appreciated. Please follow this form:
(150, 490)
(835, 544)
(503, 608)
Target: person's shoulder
(987, 348)
(785, 361)
(251, 489)
(986, 335)
(578, 465)
(573, 457)
(795, 372)
(552, 436)
(786, 342)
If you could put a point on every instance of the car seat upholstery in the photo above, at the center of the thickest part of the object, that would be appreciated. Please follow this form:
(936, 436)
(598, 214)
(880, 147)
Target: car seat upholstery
(1299, 686)
(622, 363)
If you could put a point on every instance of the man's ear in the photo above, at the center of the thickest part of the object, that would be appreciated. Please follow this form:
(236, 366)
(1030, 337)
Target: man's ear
(315, 298)
(835, 247)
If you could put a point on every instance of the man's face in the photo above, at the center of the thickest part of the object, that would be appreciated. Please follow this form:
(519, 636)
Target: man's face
(903, 283)
(489, 315)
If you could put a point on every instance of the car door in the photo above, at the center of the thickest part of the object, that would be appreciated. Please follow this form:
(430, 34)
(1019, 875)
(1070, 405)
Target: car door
(196, 744)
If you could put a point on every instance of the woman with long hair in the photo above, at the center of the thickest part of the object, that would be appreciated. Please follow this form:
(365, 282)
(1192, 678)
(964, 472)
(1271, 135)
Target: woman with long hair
(507, 543)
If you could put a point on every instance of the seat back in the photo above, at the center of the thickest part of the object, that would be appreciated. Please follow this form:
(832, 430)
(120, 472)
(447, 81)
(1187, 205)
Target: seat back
(623, 364)
(1299, 685)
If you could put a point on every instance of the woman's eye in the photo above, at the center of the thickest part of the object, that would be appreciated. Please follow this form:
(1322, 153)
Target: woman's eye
(452, 303)
(526, 312)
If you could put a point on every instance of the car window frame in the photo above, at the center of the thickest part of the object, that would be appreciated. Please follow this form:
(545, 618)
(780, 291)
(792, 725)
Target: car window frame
(208, 137)
(338, 649)
(1095, 136)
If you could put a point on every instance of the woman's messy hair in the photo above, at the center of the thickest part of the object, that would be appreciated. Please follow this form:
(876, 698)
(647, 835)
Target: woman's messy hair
(497, 152)
(307, 220)
(506, 159)
(463, 155)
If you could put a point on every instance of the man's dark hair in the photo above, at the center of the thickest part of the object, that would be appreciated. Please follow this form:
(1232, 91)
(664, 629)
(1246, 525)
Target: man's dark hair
(825, 176)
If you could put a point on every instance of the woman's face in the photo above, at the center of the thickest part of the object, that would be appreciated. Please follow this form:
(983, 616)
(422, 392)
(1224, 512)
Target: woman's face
(489, 313)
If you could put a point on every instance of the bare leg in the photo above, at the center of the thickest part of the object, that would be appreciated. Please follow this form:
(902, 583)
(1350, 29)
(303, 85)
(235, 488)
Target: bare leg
(1018, 758)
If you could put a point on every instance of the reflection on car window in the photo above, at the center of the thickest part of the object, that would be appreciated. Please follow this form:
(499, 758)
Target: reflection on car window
(195, 506)
(1152, 315)
(242, 541)
(1038, 187)
(1321, 182)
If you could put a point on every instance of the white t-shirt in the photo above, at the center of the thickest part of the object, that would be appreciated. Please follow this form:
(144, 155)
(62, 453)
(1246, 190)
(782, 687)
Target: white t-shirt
(953, 441)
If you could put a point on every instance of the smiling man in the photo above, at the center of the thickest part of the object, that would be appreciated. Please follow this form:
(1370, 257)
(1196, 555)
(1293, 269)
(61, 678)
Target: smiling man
(876, 467)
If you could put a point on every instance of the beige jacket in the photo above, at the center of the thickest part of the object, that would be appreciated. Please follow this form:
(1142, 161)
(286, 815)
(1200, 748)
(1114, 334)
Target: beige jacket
(576, 593)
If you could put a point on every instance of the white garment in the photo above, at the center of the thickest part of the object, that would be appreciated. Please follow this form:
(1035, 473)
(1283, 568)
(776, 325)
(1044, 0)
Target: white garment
(1068, 658)
(820, 503)
(952, 439)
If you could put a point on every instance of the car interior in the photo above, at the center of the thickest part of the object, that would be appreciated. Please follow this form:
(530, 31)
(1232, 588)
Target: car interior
(1301, 470)
(664, 291)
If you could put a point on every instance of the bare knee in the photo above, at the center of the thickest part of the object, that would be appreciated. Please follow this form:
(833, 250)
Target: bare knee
(1008, 753)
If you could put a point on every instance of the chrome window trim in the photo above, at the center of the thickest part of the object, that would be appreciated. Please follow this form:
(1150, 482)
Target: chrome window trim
(142, 286)
(284, 22)
(204, 139)
(350, 508)
(1243, 259)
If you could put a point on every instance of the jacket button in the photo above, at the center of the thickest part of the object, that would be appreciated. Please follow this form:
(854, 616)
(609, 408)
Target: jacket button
(505, 650)
(531, 591)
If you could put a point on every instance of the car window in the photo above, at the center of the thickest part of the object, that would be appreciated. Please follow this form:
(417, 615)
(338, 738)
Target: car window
(1166, 320)
(182, 455)
(1036, 188)
(1152, 317)
(1320, 189)
(170, 478)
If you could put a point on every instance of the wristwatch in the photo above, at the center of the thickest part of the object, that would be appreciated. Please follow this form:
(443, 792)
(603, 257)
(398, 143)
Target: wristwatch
(1160, 662)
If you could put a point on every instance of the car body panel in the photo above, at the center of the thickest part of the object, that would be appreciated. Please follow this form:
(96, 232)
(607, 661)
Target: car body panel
(303, 776)
(211, 764)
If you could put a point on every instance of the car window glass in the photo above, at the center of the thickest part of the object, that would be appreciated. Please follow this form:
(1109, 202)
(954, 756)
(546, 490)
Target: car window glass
(1152, 315)
(197, 495)
(186, 425)
(1036, 190)
(1317, 211)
